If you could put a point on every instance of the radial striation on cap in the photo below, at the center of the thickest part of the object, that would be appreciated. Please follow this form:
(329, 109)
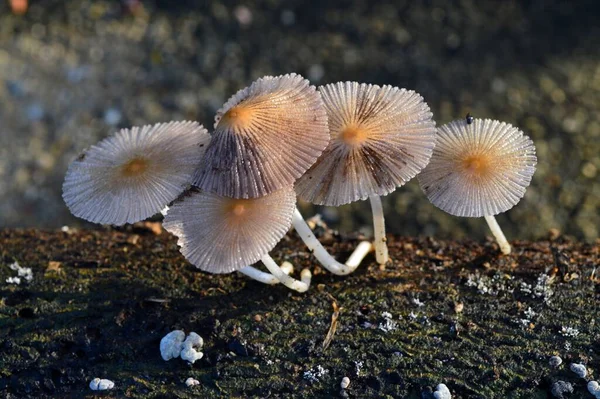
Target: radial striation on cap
(221, 235)
(478, 169)
(133, 174)
(381, 137)
(266, 136)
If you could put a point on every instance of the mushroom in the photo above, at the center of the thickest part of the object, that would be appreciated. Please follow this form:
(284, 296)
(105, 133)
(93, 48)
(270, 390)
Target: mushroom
(381, 137)
(221, 235)
(135, 173)
(479, 168)
(266, 136)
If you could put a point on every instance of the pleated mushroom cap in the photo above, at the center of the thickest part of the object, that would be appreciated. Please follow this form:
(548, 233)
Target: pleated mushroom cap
(221, 235)
(478, 169)
(135, 173)
(381, 137)
(266, 136)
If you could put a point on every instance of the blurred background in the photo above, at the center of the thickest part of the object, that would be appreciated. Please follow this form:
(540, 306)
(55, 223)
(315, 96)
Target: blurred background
(73, 72)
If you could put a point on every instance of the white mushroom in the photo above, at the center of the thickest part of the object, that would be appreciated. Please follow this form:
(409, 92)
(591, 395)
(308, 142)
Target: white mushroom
(222, 235)
(135, 173)
(479, 169)
(381, 137)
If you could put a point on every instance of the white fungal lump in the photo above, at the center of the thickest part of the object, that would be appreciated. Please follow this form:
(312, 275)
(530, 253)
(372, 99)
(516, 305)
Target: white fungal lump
(189, 352)
(190, 382)
(578, 369)
(442, 392)
(98, 384)
(175, 344)
(594, 388)
(172, 344)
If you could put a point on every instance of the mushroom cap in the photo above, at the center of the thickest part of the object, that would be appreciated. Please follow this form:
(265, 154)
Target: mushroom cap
(266, 136)
(478, 169)
(220, 235)
(381, 137)
(134, 173)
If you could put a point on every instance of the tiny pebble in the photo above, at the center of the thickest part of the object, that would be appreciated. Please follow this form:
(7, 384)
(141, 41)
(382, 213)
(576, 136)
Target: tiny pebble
(442, 392)
(560, 387)
(98, 384)
(345, 383)
(594, 388)
(190, 382)
(578, 369)
(555, 361)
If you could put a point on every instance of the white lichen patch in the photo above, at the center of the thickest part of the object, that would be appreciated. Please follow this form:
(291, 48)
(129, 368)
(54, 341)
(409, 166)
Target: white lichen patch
(172, 344)
(358, 366)
(190, 382)
(541, 289)
(569, 332)
(442, 392)
(315, 373)
(578, 369)
(494, 285)
(191, 348)
(98, 384)
(23, 273)
(388, 324)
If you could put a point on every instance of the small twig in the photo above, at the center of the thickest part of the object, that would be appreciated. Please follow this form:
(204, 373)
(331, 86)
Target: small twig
(334, 322)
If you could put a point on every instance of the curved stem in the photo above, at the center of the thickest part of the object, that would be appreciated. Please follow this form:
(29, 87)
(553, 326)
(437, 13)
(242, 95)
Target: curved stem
(321, 253)
(497, 232)
(290, 282)
(381, 250)
(265, 278)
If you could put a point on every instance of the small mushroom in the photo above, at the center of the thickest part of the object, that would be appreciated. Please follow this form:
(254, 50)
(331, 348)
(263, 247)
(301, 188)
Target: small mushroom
(381, 137)
(135, 173)
(222, 235)
(266, 136)
(479, 169)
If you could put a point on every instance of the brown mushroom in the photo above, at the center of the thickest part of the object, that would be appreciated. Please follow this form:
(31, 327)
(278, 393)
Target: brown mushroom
(266, 136)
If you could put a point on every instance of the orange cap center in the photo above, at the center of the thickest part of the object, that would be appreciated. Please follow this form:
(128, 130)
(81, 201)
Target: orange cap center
(238, 117)
(353, 135)
(476, 165)
(134, 167)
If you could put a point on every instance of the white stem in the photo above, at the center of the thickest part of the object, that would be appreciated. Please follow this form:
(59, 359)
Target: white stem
(321, 253)
(265, 278)
(290, 282)
(381, 250)
(497, 232)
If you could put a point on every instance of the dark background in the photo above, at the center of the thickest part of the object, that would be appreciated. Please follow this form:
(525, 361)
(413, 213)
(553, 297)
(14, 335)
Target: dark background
(73, 72)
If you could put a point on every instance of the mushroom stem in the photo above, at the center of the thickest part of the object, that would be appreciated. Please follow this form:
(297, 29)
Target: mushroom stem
(381, 250)
(321, 253)
(290, 282)
(497, 232)
(266, 278)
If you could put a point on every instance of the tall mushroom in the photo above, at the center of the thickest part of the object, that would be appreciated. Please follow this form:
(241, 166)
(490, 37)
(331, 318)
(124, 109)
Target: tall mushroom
(222, 235)
(135, 173)
(480, 167)
(266, 136)
(381, 137)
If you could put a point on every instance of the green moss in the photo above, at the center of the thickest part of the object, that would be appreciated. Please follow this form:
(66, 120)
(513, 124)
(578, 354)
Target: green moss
(104, 312)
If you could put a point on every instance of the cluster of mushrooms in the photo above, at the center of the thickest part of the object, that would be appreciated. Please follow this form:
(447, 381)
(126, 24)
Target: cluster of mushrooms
(230, 196)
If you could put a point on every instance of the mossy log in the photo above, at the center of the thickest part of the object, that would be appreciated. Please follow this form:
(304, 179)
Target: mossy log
(457, 313)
